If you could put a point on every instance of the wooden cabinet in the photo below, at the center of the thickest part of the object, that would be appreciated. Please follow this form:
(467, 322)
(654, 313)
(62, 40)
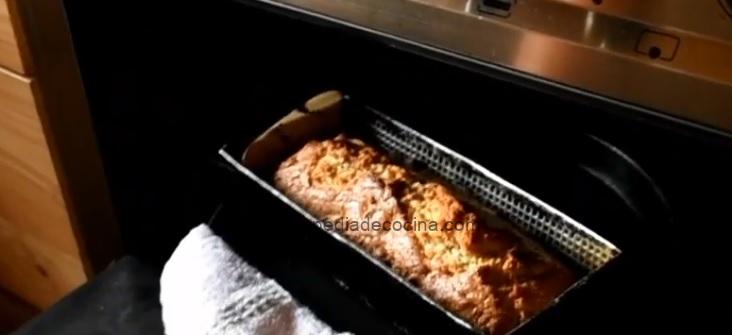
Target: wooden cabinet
(12, 43)
(39, 257)
(56, 222)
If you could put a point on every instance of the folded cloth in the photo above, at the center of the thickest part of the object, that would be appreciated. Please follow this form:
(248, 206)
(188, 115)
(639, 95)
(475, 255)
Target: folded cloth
(207, 289)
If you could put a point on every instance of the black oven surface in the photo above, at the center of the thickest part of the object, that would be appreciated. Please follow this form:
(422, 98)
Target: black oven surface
(169, 84)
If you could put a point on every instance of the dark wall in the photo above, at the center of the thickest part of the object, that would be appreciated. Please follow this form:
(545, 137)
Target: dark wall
(167, 84)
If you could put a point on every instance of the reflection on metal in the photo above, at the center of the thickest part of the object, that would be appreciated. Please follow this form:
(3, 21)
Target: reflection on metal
(589, 23)
(673, 56)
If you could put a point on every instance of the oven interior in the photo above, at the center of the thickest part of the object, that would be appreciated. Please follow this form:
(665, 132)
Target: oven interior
(169, 84)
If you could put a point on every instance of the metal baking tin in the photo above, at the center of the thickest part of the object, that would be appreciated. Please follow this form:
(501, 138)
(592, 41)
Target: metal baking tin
(331, 113)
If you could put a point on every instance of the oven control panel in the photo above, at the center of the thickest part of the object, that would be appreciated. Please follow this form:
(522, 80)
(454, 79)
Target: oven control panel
(669, 57)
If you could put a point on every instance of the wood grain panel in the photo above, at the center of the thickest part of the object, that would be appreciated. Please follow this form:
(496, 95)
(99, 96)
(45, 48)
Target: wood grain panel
(39, 256)
(67, 124)
(12, 42)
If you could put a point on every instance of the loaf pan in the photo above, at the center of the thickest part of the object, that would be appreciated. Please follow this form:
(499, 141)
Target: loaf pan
(332, 113)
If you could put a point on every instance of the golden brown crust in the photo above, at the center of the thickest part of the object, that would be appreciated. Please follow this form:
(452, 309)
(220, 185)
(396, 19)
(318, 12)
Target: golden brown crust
(486, 275)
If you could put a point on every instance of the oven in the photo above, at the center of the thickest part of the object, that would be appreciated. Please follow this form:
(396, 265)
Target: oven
(617, 113)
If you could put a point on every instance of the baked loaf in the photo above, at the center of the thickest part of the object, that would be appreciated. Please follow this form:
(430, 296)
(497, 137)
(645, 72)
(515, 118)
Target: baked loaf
(487, 275)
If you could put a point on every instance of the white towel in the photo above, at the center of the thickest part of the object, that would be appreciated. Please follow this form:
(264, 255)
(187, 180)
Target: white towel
(206, 289)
